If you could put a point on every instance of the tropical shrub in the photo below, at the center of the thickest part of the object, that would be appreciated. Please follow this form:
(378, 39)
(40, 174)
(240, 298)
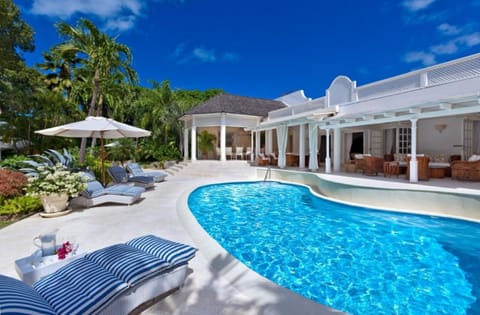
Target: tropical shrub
(11, 183)
(56, 180)
(14, 162)
(20, 206)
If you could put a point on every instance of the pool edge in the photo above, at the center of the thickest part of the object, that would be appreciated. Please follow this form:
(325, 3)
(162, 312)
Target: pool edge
(264, 294)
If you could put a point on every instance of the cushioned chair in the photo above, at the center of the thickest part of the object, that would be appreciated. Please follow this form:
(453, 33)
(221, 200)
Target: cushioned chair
(423, 170)
(113, 280)
(119, 175)
(373, 165)
(262, 160)
(96, 194)
(136, 170)
(273, 159)
(466, 170)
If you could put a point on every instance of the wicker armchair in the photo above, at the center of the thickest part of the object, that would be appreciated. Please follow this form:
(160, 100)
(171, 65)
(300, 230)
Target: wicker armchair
(423, 170)
(466, 170)
(373, 165)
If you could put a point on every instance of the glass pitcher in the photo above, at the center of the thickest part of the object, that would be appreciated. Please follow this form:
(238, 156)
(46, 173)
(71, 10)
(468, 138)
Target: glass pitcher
(46, 242)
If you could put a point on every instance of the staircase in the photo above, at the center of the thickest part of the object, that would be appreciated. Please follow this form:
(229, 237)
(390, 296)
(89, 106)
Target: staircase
(237, 169)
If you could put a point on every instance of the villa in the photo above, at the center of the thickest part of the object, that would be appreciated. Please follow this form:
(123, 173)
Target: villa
(433, 112)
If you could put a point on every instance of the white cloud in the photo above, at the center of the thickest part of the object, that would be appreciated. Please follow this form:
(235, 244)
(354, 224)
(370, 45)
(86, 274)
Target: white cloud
(445, 49)
(448, 29)
(427, 59)
(417, 5)
(121, 24)
(469, 40)
(118, 14)
(204, 55)
(183, 54)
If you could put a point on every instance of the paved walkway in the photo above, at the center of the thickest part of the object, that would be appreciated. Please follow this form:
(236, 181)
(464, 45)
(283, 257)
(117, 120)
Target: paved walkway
(206, 291)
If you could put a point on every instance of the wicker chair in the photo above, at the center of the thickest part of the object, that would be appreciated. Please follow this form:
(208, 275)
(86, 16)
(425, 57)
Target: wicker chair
(423, 170)
(373, 165)
(466, 170)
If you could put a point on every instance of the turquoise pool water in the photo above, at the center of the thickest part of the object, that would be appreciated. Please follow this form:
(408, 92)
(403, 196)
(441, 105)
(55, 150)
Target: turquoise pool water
(354, 259)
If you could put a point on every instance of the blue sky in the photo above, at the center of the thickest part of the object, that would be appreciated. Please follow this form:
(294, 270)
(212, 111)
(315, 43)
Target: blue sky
(268, 48)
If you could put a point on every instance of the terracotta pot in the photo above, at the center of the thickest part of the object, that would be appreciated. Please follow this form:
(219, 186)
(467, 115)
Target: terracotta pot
(54, 202)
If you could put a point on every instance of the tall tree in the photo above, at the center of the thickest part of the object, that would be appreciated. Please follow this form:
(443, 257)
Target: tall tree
(100, 56)
(15, 36)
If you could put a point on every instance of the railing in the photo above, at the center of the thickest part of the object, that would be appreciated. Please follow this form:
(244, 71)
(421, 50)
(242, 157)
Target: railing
(268, 174)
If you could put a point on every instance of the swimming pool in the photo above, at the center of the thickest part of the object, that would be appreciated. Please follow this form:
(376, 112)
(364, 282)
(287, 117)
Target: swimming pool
(354, 259)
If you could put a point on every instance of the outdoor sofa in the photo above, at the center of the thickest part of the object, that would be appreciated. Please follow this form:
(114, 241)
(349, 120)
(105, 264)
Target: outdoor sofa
(136, 170)
(113, 280)
(466, 170)
(119, 175)
(96, 194)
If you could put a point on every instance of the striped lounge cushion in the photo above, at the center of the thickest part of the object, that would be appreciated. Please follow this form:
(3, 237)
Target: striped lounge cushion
(174, 253)
(80, 287)
(128, 263)
(17, 297)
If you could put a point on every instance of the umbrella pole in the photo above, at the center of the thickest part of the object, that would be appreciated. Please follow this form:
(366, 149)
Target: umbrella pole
(102, 157)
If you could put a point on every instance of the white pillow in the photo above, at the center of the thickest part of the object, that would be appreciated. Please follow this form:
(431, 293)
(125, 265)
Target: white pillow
(474, 158)
(358, 156)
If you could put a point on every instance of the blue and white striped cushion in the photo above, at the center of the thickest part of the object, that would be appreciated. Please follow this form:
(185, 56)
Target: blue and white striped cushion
(128, 263)
(174, 253)
(80, 287)
(17, 297)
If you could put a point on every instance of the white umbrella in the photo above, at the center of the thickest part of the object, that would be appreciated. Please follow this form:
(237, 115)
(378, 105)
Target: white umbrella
(96, 127)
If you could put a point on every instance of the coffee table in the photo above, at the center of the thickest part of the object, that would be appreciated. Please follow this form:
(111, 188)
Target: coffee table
(34, 267)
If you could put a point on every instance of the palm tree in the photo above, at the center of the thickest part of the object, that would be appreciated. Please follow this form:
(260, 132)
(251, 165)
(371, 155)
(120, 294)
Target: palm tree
(101, 57)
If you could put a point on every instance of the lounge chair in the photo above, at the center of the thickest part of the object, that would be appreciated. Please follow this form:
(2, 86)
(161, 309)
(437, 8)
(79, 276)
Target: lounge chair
(96, 194)
(119, 175)
(136, 170)
(113, 280)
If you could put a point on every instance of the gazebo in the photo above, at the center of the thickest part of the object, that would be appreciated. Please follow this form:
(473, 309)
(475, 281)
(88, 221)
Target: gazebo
(228, 117)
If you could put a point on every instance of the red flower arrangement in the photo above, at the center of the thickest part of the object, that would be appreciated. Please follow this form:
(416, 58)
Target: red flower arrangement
(63, 250)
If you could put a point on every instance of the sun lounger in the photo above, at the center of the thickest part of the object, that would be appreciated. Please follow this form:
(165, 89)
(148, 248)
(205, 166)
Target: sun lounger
(113, 280)
(96, 194)
(136, 170)
(119, 175)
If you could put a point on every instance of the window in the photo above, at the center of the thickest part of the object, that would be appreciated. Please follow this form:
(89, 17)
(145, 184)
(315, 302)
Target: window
(404, 140)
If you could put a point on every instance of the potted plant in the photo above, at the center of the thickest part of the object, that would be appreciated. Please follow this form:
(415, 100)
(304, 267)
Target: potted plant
(55, 185)
(206, 142)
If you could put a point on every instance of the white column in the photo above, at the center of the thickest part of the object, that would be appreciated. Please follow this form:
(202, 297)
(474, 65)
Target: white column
(337, 141)
(268, 141)
(194, 141)
(301, 148)
(185, 144)
(257, 143)
(328, 162)
(251, 147)
(413, 162)
(223, 137)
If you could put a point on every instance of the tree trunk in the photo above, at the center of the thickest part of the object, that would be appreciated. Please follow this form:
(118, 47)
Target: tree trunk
(91, 109)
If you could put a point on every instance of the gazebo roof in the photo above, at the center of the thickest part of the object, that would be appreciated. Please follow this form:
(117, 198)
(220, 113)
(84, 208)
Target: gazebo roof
(234, 104)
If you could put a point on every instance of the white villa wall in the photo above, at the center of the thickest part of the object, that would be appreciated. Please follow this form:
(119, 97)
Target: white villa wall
(434, 143)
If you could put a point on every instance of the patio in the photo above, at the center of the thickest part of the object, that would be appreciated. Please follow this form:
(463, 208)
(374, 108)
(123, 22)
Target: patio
(206, 290)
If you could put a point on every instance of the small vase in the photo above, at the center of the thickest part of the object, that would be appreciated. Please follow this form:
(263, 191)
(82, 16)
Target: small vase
(54, 202)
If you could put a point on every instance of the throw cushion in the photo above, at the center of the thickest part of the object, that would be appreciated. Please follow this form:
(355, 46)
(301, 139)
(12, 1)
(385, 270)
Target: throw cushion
(474, 158)
(17, 297)
(174, 253)
(80, 287)
(128, 263)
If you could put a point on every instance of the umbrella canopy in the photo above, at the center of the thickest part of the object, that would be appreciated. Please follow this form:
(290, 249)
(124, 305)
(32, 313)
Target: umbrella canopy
(96, 127)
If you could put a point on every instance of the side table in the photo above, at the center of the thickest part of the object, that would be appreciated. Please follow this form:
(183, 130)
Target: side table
(34, 267)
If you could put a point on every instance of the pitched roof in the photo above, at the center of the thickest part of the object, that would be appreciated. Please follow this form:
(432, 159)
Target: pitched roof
(234, 104)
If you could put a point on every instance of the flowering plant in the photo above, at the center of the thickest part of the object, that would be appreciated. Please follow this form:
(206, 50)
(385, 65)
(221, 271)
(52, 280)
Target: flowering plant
(56, 180)
(63, 250)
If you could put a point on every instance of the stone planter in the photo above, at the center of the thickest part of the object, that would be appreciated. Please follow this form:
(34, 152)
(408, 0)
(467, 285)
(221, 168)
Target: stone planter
(54, 202)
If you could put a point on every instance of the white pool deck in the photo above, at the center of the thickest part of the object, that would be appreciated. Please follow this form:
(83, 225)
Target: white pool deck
(216, 284)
